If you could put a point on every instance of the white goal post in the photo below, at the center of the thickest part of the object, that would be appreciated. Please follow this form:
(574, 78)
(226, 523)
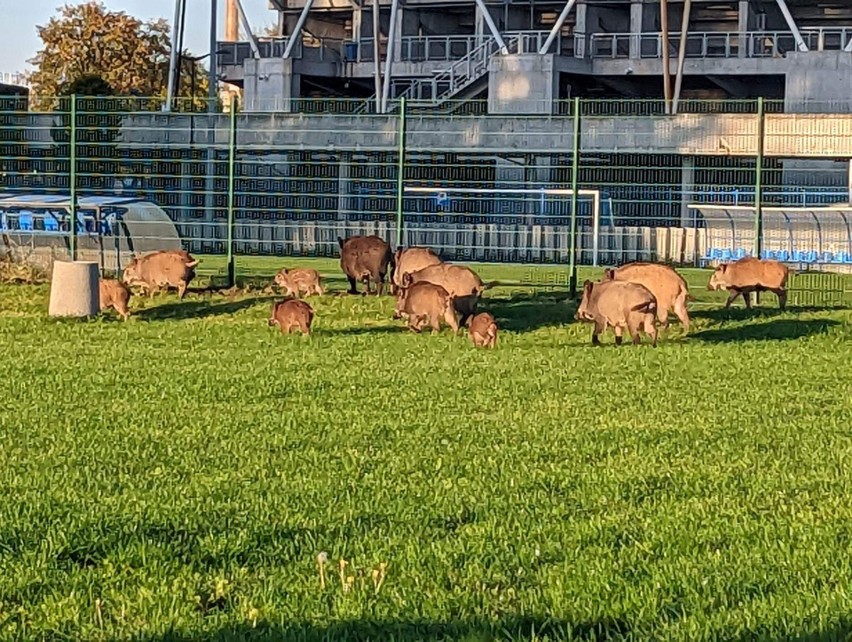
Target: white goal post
(540, 192)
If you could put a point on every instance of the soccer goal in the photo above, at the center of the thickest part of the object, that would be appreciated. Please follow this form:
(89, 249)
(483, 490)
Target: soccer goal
(515, 211)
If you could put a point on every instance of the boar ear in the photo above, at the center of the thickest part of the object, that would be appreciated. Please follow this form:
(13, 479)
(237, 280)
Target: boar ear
(723, 267)
(587, 286)
(406, 279)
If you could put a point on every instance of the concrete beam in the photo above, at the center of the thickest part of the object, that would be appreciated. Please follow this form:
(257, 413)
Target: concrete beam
(389, 56)
(173, 54)
(486, 14)
(557, 26)
(297, 31)
(800, 43)
(255, 49)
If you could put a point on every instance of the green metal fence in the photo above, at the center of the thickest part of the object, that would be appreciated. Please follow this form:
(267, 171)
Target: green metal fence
(597, 183)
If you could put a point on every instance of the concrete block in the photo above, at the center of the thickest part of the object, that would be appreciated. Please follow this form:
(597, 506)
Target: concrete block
(74, 289)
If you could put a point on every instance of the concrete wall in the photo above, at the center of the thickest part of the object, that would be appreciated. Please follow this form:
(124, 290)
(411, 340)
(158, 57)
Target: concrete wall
(522, 84)
(786, 135)
(270, 84)
(819, 81)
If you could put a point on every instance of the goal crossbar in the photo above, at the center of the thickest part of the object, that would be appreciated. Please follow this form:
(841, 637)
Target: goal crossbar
(540, 191)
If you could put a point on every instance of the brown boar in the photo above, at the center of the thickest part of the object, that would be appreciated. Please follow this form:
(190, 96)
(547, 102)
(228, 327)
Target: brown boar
(463, 284)
(424, 303)
(365, 258)
(411, 260)
(161, 269)
(619, 305)
(299, 280)
(292, 314)
(483, 330)
(667, 286)
(749, 275)
(114, 294)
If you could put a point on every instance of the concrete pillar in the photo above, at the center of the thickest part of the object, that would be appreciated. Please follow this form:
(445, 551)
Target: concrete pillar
(270, 84)
(344, 185)
(687, 187)
(522, 84)
(580, 30)
(743, 25)
(635, 29)
(74, 289)
(397, 49)
(849, 180)
(479, 27)
(356, 23)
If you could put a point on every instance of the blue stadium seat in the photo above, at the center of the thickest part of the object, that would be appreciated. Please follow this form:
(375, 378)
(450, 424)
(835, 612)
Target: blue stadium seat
(25, 221)
(50, 224)
(827, 257)
(783, 255)
(740, 253)
(726, 255)
(848, 259)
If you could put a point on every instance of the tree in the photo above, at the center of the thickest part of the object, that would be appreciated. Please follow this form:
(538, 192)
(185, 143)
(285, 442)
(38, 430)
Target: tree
(87, 40)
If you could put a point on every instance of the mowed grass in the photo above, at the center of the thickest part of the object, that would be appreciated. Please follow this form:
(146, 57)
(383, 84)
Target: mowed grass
(175, 477)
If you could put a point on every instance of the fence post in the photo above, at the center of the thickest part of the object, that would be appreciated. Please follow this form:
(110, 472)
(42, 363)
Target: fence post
(575, 172)
(72, 176)
(400, 173)
(758, 187)
(232, 152)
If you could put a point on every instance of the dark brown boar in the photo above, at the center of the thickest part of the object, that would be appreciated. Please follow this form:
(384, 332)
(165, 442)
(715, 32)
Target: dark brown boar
(463, 284)
(162, 269)
(619, 305)
(299, 280)
(365, 258)
(292, 314)
(751, 275)
(483, 330)
(114, 294)
(411, 260)
(667, 286)
(424, 303)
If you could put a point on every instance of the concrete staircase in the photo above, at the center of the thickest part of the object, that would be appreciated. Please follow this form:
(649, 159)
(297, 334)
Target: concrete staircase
(458, 80)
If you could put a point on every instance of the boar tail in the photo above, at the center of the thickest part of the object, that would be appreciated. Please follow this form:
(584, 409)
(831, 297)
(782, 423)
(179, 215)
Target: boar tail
(647, 306)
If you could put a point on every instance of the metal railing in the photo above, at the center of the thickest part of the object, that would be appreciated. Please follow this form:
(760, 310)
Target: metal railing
(753, 44)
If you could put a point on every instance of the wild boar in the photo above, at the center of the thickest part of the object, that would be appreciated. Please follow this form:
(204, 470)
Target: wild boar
(365, 258)
(114, 294)
(424, 303)
(291, 314)
(749, 275)
(299, 280)
(483, 330)
(411, 260)
(619, 305)
(667, 286)
(165, 268)
(463, 284)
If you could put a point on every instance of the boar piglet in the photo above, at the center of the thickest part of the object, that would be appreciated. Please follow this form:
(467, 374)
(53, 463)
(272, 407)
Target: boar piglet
(292, 314)
(295, 282)
(483, 330)
(619, 305)
(114, 294)
(424, 303)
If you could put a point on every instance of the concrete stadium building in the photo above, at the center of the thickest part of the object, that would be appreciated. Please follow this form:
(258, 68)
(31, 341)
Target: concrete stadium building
(524, 56)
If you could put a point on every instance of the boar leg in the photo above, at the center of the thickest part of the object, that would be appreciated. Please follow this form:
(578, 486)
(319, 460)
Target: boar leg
(733, 295)
(781, 293)
(450, 318)
(681, 313)
(618, 331)
(600, 326)
(435, 322)
(182, 289)
(303, 326)
(633, 323)
(352, 285)
(651, 329)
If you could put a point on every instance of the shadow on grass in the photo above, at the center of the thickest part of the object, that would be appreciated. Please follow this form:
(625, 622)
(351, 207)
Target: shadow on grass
(742, 314)
(196, 309)
(359, 330)
(777, 330)
(524, 311)
(512, 628)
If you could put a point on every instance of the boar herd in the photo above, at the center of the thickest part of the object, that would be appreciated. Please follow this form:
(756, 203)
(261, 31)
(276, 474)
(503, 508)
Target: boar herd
(637, 296)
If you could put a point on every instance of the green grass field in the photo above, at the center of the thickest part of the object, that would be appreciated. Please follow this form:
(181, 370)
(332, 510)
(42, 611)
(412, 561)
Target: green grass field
(175, 477)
